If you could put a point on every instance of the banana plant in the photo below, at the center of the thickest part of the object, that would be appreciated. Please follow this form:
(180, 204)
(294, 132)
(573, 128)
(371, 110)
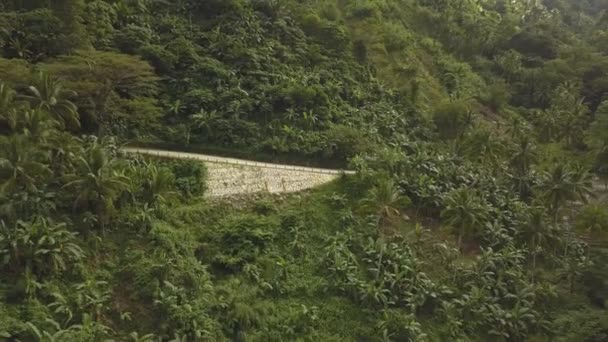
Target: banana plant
(39, 245)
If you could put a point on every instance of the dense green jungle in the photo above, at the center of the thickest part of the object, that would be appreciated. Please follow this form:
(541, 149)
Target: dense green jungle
(478, 130)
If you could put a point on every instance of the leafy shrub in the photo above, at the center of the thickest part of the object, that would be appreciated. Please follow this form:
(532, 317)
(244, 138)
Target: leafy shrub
(330, 12)
(241, 239)
(161, 59)
(39, 246)
(16, 73)
(496, 96)
(271, 8)
(458, 78)
(197, 99)
(186, 52)
(133, 117)
(184, 314)
(215, 8)
(396, 38)
(593, 219)
(331, 35)
(452, 118)
(37, 35)
(101, 17)
(132, 38)
(362, 9)
(236, 133)
(344, 142)
(190, 177)
(584, 325)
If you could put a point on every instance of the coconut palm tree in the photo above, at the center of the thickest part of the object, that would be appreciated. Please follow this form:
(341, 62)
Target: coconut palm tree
(385, 200)
(556, 188)
(537, 232)
(464, 211)
(561, 184)
(48, 94)
(523, 156)
(582, 181)
(516, 127)
(22, 166)
(98, 184)
(35, 124)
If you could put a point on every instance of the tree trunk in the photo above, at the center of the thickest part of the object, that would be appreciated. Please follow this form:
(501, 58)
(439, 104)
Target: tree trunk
(534, 253)
(460, 234)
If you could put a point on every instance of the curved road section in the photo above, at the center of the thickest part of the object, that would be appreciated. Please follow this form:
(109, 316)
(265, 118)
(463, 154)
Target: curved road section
(231, 176)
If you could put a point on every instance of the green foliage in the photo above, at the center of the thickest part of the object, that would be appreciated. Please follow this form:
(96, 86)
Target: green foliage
(359, 81)
(39, 246)
(34, 35)
(96, 184)
(452, 118)
(497, 96)
(593, 219)
(242, 239)
(48, 94)
(113, 89)
(465, 212)
(385, 201)
(190, 176)
(563, 184)
(597, 132)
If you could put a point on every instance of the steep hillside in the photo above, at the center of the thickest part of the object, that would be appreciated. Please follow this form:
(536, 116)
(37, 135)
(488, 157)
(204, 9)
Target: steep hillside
(477, 130)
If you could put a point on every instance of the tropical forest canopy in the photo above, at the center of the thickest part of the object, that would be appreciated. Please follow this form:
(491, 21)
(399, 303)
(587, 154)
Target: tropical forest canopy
(478, 130)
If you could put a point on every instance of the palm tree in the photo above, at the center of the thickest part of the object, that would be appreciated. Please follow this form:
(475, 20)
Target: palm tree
(561, 185)
(537, 232)
(516, 127)
(8, 112)
(523, 156)
(582, 181)
(98, 185)
(159, 184)
(464, 211)
(548, 124)
(48, 94)
(203, 119)
(34, 123)
(21, 165)
(574, 121)
(65, 150)
(384, 200)
(483, 145)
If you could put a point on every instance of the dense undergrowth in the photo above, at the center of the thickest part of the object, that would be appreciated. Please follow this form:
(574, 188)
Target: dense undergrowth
(478, 130)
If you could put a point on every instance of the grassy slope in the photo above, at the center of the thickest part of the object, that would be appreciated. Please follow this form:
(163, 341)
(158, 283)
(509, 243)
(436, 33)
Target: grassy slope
(190, 230)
